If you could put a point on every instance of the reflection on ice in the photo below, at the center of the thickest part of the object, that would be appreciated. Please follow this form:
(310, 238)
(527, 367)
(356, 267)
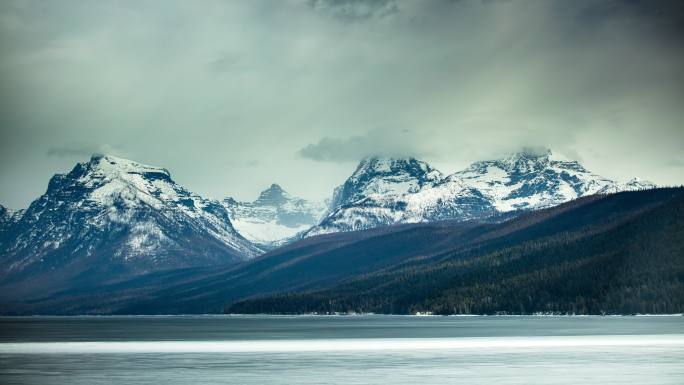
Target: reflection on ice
(341, 345)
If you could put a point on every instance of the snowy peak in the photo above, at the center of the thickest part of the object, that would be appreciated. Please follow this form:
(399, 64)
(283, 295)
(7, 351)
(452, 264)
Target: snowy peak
(109, 179)
(405, 168)
(532, 179)
(639, 184)
(536, 178)
(387, 191)
(102, 169)
(384, 191)
(378, 165)
(527, 161)
(385, 177)
(274, 217)
(273, 196)
(121, 215)
(114, 166)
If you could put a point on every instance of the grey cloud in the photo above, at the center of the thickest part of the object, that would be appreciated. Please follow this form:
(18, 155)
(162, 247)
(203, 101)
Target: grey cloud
(379, 142)
(352, 10)
(72, 150)
(307, 88)
(225, 62)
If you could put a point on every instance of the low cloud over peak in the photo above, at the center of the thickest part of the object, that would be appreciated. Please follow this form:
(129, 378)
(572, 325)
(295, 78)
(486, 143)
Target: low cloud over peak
(380, 142)
(228, 95)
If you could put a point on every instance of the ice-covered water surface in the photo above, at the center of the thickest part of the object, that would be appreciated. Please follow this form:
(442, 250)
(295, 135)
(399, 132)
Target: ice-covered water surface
(349, 350)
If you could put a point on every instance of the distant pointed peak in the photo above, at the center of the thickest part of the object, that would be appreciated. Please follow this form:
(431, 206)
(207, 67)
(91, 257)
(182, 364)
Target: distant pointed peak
(640, 183)
(275, 187)
(273, 195)
(230, 200)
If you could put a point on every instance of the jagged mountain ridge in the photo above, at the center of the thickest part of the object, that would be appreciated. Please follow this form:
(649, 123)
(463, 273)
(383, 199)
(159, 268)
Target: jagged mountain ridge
(389, 268)
(389, 191)
(141, 204)
(536, 179)
(621, 253)
(274, 216)
(5, 217)
(109, 218)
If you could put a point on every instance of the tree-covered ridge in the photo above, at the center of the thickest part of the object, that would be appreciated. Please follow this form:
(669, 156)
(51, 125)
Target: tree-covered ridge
(620, 254)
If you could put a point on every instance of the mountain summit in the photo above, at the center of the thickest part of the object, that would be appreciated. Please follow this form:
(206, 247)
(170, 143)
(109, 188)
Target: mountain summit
(534, 179)
(274, 217)
(384, 178)
(388, 191)
(274, 195)
(110, 218)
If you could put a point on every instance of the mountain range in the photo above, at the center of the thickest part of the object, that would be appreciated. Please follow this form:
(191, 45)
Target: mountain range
(620, 253)
(603, 254)
(110, 220)
(274, 217)
(389, 191)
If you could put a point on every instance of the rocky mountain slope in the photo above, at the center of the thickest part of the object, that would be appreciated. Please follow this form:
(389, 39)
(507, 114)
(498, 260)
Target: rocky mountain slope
(388, 191)
(111, 218)
(617, 253)
(274, 217)
(5, 218)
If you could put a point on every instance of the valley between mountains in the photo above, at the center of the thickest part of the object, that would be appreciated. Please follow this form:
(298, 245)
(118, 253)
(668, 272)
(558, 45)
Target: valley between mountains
(530, 232)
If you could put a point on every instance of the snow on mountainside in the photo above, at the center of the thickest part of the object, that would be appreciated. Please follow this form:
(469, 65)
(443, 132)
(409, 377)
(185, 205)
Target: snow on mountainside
(380, 178)
(112, 217)
(388, 191)
(274, 217)
(534, 179)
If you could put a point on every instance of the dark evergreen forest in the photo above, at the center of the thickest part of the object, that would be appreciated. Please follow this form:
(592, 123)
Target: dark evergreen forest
(620, 254)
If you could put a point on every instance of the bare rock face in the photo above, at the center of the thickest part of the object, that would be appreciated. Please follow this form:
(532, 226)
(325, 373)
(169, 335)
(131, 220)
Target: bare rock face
(112, 218)
(386, 191)
(274, 217)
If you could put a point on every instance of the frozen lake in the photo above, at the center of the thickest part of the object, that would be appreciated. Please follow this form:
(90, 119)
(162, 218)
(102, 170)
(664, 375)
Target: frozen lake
(341, 349)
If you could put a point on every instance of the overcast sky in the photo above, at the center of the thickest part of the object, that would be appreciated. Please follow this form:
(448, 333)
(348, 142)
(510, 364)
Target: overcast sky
(231, 96)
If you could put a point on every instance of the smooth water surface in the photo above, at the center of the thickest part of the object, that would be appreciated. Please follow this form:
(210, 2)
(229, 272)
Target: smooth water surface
(341, 349)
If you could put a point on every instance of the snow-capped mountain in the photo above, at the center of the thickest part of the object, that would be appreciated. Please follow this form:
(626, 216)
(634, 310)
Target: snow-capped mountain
(110, 218)
(389, 191)
(274, 217)
(404, 190)
(536, 178)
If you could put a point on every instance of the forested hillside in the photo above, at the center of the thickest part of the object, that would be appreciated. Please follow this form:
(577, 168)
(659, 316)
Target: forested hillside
(620, 254)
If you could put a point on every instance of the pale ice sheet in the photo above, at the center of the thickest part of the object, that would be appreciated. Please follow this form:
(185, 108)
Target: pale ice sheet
(606, 364)
(510, 344)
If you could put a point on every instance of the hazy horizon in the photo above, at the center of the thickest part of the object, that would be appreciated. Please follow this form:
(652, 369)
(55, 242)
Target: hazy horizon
(291, 189)
(234, 96)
